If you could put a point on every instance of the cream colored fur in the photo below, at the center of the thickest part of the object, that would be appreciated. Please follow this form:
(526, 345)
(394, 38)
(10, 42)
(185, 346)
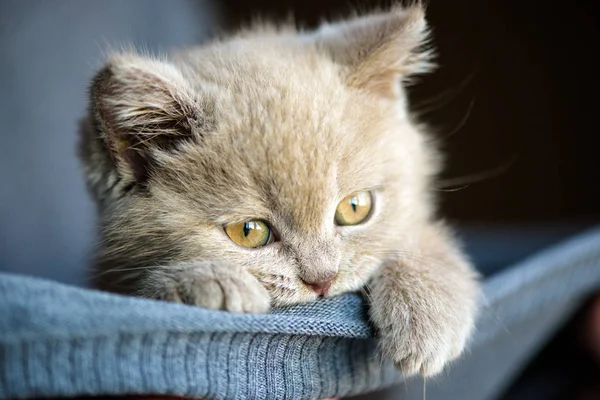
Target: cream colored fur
(280, 125)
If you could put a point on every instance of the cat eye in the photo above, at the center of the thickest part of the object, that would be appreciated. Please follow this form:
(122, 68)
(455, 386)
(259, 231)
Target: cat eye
(354, 209)
(251, 234)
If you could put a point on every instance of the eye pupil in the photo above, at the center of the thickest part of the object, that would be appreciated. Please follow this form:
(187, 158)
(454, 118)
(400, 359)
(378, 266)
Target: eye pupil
(354, 203)
(247, 228)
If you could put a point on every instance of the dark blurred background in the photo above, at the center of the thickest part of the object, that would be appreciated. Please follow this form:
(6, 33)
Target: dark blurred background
(517, 88)
(514, 102)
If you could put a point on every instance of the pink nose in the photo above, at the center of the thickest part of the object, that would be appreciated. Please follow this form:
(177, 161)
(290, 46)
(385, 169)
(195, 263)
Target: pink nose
(320, 288)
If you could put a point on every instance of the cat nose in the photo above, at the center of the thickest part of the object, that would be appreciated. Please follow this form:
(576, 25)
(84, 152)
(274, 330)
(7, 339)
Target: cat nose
(321, 288)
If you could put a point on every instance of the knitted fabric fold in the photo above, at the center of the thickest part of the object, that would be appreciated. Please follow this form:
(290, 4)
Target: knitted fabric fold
(57, 340)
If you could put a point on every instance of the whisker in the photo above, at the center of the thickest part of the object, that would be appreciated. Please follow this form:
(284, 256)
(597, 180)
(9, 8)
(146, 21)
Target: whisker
(456, 189)
(364, 291)
(477, 177)
(443, 98)
(462, 122)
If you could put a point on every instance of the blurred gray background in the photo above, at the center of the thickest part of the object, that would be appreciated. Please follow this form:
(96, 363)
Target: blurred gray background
(49, 52)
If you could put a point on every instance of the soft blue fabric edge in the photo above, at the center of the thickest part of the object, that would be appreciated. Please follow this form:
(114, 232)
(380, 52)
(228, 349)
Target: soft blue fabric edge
(60, 340)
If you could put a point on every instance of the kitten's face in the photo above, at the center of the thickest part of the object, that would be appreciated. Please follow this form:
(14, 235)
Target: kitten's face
(267, 130)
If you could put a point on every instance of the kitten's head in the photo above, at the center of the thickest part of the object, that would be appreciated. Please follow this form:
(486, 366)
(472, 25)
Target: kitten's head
(289, 153)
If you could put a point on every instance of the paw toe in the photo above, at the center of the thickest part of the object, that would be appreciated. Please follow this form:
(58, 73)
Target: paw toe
(209, 295)
(409, 366)
(432, 366)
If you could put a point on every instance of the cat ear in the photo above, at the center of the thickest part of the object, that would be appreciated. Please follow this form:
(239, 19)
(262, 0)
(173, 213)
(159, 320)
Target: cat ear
(142, 106)
(379, 50)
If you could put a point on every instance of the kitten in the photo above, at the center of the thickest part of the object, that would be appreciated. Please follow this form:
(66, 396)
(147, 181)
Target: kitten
(276, 167)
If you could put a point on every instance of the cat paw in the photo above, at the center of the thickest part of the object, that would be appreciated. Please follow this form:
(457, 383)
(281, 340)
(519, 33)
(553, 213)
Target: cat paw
(210, 285)
(425, 350)
(423, 325)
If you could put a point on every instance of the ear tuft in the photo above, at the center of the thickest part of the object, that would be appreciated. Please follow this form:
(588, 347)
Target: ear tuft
(141, 105)
(378, 50)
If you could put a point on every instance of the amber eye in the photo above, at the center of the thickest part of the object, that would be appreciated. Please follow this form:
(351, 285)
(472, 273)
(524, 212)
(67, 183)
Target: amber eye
(354, 209)
(250, 234)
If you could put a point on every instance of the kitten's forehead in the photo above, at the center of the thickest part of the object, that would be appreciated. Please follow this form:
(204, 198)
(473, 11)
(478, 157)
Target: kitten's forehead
(303, 124)
(290, 139)
(260, 169)
(284, 94)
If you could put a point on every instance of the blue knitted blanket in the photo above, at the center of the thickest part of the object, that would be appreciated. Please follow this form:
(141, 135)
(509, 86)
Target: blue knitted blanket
(57, 340)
